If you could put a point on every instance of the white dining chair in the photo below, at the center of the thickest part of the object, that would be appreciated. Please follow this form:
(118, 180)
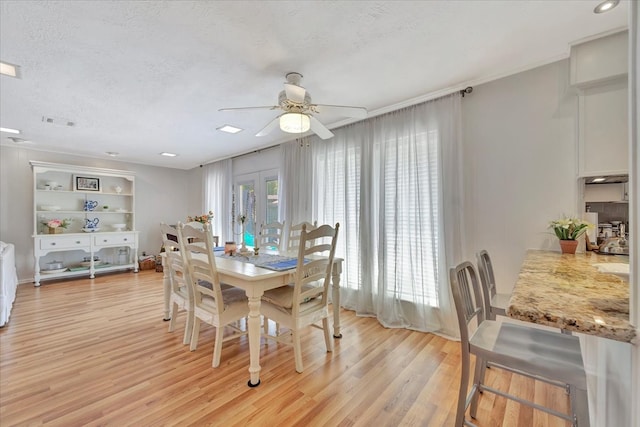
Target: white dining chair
(495, 303)
(539, 354)
(200, 226)
(211, 303)
(293, 240)
(180, 297)
(271, 235)
(305, 301)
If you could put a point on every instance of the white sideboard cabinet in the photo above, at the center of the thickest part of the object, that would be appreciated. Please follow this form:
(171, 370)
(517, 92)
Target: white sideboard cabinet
(98, 207)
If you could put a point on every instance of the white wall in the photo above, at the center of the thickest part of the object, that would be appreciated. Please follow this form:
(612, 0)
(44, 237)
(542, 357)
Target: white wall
(261, 160)
(519, 139)
(520, 157)
(162, 194)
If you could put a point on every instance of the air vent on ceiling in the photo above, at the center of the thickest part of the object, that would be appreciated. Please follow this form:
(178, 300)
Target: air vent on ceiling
(19, 140)
(58, 121)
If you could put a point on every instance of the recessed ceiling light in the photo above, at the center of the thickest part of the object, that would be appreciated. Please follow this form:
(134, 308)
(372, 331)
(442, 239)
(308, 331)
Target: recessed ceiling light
(597, 179)
(9, 130)
(112, 153)
(229, 129)
(164, 153)
(606, 6)
(10, 70)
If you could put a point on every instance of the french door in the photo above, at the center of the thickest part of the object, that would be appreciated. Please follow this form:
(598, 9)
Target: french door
(256, 200)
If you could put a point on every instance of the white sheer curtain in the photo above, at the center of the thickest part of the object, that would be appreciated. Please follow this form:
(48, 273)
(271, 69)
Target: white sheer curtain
(393, 182)
(294, 182)
(217, 183)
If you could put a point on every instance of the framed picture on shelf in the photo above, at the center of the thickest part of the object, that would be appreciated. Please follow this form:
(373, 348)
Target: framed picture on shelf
(85, 183)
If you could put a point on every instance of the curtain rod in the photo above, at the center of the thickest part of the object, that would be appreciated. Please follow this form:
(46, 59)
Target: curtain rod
(462, 92)
(466, 90)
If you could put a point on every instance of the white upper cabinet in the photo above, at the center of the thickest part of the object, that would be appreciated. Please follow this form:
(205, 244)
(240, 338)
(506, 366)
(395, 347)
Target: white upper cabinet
(603, 140)
(599, 71)
(597, 61)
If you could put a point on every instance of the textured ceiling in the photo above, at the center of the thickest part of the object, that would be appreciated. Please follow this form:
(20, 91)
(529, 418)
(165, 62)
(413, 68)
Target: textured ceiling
(142, 77)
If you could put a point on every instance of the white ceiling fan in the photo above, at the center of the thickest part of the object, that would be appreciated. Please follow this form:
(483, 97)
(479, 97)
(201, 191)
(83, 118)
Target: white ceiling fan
(298, 116)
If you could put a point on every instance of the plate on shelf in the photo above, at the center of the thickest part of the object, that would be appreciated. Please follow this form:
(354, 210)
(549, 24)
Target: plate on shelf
(88, 263)
(57, 270)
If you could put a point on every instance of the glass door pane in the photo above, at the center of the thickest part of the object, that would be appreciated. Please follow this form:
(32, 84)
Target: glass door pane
(271, 214)
(245, 221)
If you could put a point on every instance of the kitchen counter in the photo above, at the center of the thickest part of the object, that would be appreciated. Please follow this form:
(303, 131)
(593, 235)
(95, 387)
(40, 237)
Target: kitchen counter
(568, 292)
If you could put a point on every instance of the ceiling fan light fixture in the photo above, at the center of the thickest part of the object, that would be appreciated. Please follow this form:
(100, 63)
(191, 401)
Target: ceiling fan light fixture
(295, 123)
(606, 6)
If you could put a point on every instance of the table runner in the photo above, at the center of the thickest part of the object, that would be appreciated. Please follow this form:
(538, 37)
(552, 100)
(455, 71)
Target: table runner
(270, 261)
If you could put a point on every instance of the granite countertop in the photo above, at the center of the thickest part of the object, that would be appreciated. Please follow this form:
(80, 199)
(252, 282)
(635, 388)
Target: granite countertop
(568, 292)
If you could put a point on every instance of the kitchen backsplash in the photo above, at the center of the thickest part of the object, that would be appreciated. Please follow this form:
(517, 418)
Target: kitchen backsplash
(610, 211)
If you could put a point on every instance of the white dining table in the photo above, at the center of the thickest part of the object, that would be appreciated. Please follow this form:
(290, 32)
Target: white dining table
(255, 281)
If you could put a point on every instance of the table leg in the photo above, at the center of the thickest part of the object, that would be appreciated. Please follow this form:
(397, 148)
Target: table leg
(36, 269)
(335, 282)
(166, 285)
(253, 325)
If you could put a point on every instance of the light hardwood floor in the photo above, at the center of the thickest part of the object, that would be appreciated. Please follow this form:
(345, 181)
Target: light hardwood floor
(96, 352)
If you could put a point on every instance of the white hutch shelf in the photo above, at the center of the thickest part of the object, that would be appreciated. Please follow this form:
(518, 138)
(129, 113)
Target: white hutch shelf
(61, 192)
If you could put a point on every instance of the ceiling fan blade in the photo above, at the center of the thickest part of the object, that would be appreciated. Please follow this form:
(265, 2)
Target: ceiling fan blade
(295, 93)
(269, 127)
(267, 107)
(319, 129)
(344, 110)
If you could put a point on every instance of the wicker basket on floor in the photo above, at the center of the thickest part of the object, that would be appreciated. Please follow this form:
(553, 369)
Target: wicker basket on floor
(147, 264)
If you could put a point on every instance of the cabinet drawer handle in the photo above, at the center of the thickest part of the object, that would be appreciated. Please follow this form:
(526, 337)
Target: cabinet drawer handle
(77, 242)
(125, 239)
(105, 240)
(53, 243)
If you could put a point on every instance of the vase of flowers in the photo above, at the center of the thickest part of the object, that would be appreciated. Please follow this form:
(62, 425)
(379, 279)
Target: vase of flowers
(204, 218)
(55, 226)
(242, 219)
(568, 230)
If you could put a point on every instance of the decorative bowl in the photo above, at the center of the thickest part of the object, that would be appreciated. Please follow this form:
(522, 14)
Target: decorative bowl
(90, 230)
(54, 265)
(50, 208)
(118, 227)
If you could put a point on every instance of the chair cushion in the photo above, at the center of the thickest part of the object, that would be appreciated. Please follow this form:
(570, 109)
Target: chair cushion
(233, 295)
(283, 296)
(205, 284)
(229, 297)
(208, 285)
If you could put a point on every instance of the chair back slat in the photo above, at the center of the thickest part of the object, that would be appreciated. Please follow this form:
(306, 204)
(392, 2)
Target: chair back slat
(198, 247)
(271, 235)
(317, 271)
(467, 297)
(485, 269)
(178, 274)
(293, 242)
